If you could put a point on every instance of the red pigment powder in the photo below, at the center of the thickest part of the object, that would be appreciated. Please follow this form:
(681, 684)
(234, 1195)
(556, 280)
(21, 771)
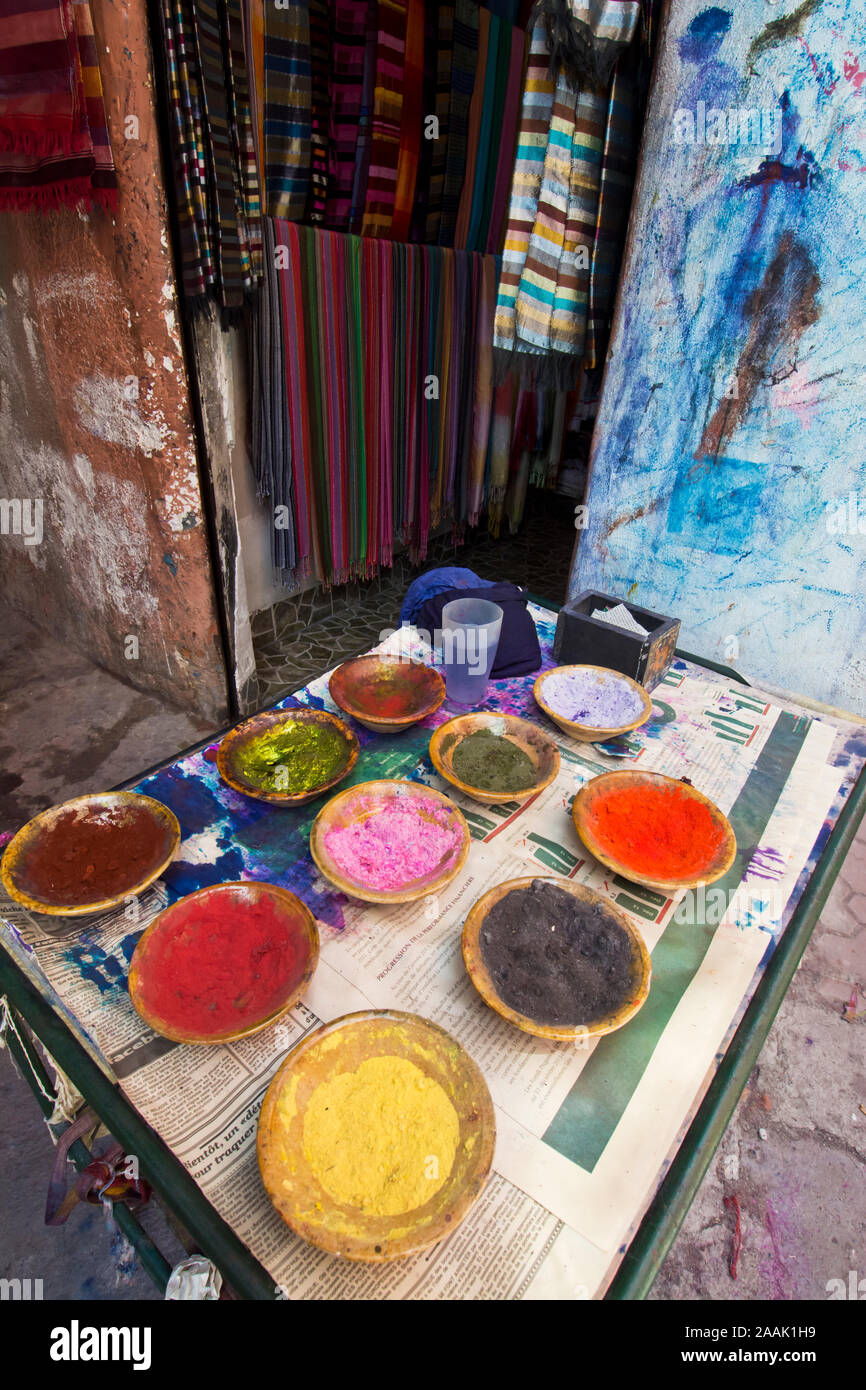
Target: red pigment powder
(219, 964)
(89, 855)
(657, 831)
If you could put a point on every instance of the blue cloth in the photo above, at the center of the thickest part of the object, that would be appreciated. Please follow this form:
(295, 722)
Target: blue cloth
(437, 581)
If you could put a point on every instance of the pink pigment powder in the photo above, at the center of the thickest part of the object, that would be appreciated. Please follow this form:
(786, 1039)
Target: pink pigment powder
(395, 846)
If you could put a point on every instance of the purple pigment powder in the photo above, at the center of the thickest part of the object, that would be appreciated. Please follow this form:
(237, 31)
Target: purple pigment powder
(590, 697)
(396, 845)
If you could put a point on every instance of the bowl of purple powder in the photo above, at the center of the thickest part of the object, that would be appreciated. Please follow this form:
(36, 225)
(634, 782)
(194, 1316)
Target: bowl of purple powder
(592, 703)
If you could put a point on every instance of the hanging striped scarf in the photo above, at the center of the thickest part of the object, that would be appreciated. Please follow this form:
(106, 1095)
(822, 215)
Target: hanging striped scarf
(213, 148)
(442, 143)
(507, 140)
(543, 294)
(54, 145)
(287, 108)
(387, 116)
(365, 121)
(411, 121)
(347, 78)
(320, 113)
(466, 63)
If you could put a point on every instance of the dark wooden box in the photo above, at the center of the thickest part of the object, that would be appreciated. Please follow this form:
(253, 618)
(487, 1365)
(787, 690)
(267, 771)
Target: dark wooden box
(582, 640)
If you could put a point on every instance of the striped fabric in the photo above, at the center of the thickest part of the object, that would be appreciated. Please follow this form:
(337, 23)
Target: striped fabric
(347, 78)
(320, 108)
(544, 289)
(287, 108)
(365, 121)
(442, 144)
(411, 120)
(618, 163)
(348, 436)
(471, 171)
(387, 116)
(212, 139)
(54, 144)
(466, 64)
(586, 37)
(507, 141)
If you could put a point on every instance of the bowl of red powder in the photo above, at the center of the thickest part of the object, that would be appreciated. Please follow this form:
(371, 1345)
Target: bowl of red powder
(389, 841)
(385, 693)
(224, 962)
(654, 830)
(287, 756)
(90, 853)
(592, 703)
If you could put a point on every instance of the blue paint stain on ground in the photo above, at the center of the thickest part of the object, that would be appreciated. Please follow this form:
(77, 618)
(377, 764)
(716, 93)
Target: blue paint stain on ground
(192, 801)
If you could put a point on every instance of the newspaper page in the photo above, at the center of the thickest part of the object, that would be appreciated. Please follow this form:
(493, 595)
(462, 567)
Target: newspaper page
(583, 1131)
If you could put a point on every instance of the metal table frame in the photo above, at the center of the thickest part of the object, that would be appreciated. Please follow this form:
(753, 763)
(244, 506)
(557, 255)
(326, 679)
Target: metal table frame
(244, 1274)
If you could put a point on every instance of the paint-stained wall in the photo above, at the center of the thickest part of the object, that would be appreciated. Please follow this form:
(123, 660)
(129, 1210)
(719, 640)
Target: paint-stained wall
(728, 477)
(95, 415)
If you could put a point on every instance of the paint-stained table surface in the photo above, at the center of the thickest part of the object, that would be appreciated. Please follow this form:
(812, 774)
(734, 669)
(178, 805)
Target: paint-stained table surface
(787, 779)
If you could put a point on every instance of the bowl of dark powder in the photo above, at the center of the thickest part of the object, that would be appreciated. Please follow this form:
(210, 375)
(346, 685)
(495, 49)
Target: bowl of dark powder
(494, 758)
(555, 958)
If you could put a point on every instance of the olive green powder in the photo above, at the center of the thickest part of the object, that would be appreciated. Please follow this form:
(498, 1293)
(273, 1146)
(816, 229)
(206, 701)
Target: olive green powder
(493, 763)
(294, 758)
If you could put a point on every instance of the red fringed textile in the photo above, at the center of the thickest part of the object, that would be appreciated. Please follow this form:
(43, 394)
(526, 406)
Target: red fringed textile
(54, 145)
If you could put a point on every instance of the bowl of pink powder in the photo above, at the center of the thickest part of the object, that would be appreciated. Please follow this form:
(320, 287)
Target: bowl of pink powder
(592, 703)
(389, 841)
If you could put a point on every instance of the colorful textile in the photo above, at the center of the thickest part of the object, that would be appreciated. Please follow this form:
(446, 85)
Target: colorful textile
(442, 143)
(287, 108)
(347, 80)
(213, 148)
(387, 117)
(585, 37)
(365, 121)
(470, 171)
(544, 288)
(320, 109)
(366, 372)
(411, 121)
(467, 61)
(54, 144)
(482, 390)
(507, 140)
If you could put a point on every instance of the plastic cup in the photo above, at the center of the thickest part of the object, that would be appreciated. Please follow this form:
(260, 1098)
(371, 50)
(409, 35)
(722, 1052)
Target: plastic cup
(470, 636)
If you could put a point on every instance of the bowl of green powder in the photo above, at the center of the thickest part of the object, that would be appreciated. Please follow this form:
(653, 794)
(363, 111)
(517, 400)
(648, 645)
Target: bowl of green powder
(287, 756)
(494, 757)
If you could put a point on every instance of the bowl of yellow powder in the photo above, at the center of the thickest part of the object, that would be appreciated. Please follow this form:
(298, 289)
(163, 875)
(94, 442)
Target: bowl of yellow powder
(287, 756)
(376, 1136)
(494, 758)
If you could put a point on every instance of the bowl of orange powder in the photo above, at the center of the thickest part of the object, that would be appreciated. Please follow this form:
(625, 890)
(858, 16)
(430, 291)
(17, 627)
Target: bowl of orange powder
(654, 830)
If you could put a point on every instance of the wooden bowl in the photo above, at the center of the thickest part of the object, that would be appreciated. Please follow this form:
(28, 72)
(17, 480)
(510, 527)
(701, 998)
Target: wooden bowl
(533, 740)
(357, 804)
(33, 841)
(588, 733)
(147, 971)
(588, 798)
(641, 965)
(237, 739)
(342, 1047)
(359, 687)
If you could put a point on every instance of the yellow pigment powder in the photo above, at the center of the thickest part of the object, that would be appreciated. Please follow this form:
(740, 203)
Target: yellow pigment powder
(382, 1138)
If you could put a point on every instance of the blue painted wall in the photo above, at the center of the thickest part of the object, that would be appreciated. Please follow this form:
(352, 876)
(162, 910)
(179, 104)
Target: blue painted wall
(728, 477)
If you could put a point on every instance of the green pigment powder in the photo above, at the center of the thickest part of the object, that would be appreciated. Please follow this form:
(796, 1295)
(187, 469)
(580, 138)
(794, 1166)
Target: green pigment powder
(493, 763)
(294, 758)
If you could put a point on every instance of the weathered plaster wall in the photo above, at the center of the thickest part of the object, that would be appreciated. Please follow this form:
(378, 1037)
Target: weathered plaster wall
(728, 482)
(95, 417)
